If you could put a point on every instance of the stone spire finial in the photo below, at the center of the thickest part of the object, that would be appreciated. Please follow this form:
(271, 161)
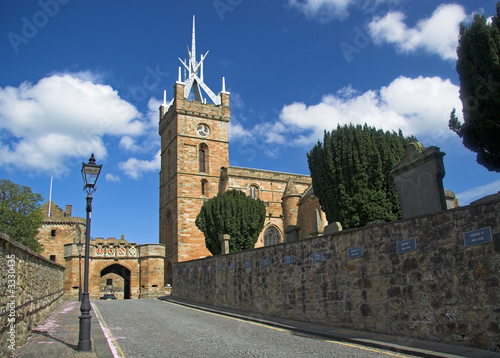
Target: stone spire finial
(290, 189)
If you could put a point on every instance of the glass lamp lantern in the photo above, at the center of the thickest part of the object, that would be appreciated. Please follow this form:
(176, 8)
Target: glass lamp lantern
(90, 174)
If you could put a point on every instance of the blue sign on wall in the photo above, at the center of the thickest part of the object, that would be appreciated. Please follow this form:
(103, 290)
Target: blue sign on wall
(288, 259)
(476, 237)
(232, 265)
(355, 252)
(406, 246)
(265, 262)
(219, 267)
(248, 264)
(317, 257)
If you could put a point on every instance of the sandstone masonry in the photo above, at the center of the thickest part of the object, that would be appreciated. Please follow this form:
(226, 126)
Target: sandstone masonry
(31, 287)
(441, 291)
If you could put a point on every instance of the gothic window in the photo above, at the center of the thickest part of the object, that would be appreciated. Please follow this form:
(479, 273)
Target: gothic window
(203, 158)
(271, 236)
(253, 191)
(204, 187)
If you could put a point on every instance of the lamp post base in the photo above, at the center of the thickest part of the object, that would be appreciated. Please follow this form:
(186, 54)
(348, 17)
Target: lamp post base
(84, 342)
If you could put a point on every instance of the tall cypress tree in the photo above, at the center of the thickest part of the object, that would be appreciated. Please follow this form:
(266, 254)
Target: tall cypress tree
(478, 67)
(350, 172)
(235, 214)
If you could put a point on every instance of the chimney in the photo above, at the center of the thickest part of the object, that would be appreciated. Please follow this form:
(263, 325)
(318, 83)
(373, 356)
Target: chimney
(68, 210)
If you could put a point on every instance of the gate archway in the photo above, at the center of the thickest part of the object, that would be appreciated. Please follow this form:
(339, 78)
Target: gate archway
(116, 279)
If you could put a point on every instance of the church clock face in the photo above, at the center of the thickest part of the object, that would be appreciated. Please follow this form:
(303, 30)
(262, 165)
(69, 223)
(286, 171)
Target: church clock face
(202, 130)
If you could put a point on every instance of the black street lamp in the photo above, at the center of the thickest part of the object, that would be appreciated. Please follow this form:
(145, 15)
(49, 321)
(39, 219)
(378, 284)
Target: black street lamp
(80, 247)
(90, 173)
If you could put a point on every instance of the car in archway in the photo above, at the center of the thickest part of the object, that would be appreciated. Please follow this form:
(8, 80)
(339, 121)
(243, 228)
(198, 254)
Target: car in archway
(108, 296)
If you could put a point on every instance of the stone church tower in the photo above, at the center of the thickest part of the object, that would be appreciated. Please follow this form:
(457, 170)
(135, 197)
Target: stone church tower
(194, 147)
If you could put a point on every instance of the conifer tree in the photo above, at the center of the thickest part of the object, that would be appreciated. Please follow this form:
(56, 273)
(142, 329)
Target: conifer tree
(351, 177)
(478, 67)
(235, 214)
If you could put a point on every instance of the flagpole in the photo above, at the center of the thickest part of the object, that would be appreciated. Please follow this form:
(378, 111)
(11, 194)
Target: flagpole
(50, 197)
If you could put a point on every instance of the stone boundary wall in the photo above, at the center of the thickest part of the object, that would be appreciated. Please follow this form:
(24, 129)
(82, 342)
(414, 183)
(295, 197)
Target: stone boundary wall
(31, 287)
(441, 291)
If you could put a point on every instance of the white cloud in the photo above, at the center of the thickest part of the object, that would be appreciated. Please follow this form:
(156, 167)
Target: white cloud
(435, 35)
(467, 196)
(135, 168)
(419, 106)
(321, 8)
(112, 178)
(325, 10)
(152, 115)
(129, 144)
(151, 141)
(60, 118)
(237, 131)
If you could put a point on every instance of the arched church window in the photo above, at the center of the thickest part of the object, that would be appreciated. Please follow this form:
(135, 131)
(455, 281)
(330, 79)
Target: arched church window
(203, 158)
(271, 236)
(253, 191)
(204, 187)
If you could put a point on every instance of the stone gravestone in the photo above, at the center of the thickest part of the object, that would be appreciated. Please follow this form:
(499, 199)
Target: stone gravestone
(419, 180)
(331, 229)
(224, 241)
(316, 224)
(292, 233)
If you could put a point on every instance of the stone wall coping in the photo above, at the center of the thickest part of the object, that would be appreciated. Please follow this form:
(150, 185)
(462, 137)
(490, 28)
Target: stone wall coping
(346, 231)
(381, 224)
(6, 238)
(159, 244)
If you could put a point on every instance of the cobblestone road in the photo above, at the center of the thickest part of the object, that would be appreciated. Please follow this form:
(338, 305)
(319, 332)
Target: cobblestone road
(153, 328)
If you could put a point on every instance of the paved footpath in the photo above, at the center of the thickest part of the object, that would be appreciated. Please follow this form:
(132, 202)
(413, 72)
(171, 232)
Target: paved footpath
(58, 336)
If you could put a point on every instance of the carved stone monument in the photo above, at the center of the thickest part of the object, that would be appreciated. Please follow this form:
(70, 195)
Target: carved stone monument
(224, 241)
(292, 233)
(332, 228)
(419, 180)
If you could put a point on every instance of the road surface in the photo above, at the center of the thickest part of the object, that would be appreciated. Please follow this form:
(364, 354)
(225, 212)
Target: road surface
(153, 328)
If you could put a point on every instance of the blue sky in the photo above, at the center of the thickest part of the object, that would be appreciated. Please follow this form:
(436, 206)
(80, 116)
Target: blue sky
(88, 76)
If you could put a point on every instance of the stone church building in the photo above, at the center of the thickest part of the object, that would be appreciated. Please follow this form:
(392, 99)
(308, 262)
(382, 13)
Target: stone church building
(194, 167)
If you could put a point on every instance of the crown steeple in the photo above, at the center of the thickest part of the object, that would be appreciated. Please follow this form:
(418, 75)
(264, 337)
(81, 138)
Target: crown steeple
(193, 74)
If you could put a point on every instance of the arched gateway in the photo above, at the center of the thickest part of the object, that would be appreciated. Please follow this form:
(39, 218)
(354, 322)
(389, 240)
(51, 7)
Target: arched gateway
(125, 269)
(115, 279)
